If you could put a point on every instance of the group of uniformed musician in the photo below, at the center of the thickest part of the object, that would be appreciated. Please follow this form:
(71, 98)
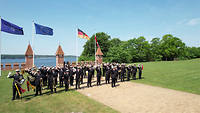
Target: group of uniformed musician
(47, 76)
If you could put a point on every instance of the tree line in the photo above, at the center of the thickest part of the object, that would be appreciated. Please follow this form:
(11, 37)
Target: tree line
(139, 49)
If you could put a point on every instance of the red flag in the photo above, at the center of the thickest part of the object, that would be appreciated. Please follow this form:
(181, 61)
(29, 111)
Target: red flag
(142, 67)
(22, 90)
(97, 42)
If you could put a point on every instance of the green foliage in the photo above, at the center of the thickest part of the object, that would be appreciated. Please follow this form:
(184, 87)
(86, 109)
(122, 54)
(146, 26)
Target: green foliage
(139, 49)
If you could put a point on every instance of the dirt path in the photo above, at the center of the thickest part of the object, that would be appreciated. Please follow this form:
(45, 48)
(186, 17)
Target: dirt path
(130, 97)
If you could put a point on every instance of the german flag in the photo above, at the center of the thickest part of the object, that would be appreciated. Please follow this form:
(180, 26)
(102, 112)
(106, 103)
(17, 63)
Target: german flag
(81, 34)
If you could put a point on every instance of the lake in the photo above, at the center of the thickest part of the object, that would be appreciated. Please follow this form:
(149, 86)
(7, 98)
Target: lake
(38, 62)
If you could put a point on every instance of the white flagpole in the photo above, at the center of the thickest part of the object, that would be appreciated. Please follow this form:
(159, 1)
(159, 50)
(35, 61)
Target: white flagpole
(0, 46)
(76, 46)
(95, 46)
(33, 41)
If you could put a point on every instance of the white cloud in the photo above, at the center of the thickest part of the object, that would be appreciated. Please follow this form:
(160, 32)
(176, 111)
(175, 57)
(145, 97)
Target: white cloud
(181, 21)
(194, 21)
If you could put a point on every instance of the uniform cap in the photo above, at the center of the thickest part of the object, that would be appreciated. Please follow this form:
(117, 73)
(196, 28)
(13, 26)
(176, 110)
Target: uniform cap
(17, 70)
(38, 70)
(67, 70)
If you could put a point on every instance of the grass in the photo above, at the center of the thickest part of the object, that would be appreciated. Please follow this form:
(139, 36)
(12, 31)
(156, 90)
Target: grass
(71, 101)
(176, 75)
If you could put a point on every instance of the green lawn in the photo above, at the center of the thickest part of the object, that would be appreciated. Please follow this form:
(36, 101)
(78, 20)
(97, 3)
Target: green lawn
(177, 75)
(71, 101)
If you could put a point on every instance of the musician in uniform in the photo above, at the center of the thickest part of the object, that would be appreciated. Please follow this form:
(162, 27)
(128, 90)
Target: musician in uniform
(123, 71)
(71, 75)
(61, 74)
(90, 72)
(119, 71)
(38, 81)
(44, 76)
(134, 71)
(113, 76)
(17, 78)
(140, 71)
(66, 80)
(98, 69)
(78, 77)
(129, 69)
(52, 76)
(31, 79)
(107, 73)
(81, 69)
(104, 69)
(49, 71)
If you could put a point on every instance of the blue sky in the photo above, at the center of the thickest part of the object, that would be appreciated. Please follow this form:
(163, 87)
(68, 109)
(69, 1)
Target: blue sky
(124, 19)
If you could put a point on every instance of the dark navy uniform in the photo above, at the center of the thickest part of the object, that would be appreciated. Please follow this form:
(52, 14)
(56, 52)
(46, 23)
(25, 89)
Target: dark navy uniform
(90, 72)
(66, 80)
(71, 76)
(104, 69)
(17, 77)
(37, 83)
(128, 73)
(108, 74)
(123, 72)
(78, 76)
(140, 72)
(61, 74)
(134, 72)
(98, 69)
(113, 76)
(52, 75)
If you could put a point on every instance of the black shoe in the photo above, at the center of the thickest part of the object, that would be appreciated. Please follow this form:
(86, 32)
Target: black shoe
(55, 92)
(12, 99)
(41, 94)
(79, 88)
(51, 92)
(35, 95)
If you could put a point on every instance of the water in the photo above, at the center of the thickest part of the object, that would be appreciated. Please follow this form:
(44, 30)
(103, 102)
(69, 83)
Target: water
(38, 62)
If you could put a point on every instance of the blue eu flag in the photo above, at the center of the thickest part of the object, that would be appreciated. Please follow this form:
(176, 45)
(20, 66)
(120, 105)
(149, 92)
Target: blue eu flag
(43, 30)
(11, 28)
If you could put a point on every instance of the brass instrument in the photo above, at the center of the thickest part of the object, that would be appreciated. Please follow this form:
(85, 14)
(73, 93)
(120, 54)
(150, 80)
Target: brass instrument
(22, 71)
(41, 82)
(31, 78)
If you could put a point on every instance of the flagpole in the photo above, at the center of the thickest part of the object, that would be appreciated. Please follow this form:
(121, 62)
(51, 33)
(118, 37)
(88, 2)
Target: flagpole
(76, 46)
(95, 46)
(0, 45)
(33, 41)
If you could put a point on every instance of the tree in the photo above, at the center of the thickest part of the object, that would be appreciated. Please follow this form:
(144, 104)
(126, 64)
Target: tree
(89, 47)
(118, 54)
(155, 48)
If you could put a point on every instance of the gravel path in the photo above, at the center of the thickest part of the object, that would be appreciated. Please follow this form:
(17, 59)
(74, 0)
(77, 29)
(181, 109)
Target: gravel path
(129, 97)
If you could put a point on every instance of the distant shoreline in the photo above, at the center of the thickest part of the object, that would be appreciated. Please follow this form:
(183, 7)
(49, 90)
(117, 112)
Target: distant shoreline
(8, 56)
